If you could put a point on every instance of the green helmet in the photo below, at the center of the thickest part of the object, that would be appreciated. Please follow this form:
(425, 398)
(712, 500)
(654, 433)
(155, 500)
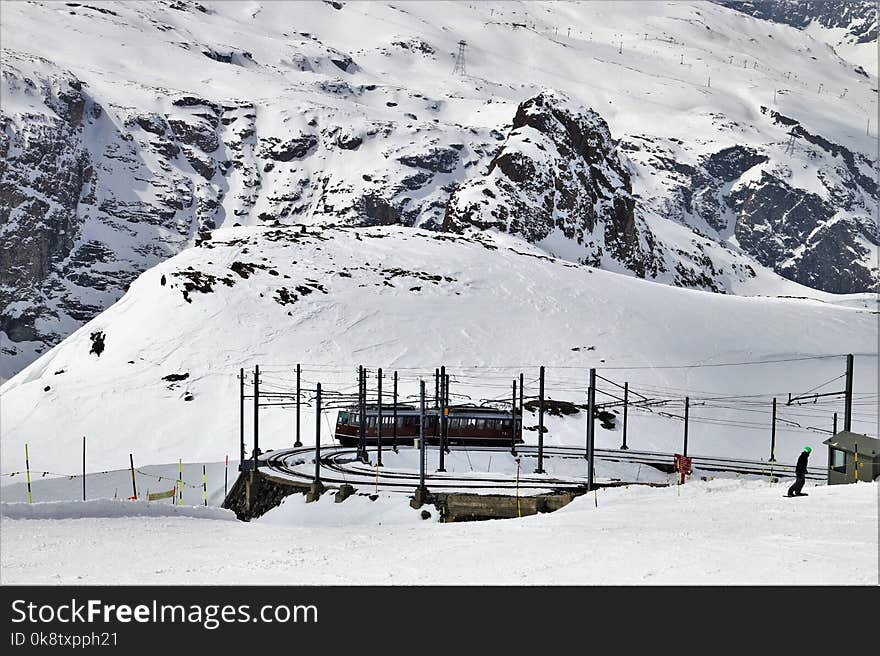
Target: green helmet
(807, 449)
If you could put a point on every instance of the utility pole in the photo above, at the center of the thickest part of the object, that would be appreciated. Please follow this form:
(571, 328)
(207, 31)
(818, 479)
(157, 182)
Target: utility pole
(521, 407)
(298, 442)
(441, 419)
(446, 417)
(362, 412)
(436, 388)
(623, 446)
(834, 430)
(591, 428)
(847, 410)
(379, 422)
(394, 417)
(687, 405)
(241, 416)
(421, 435)
(540, 469)
(134, 490)
(773, 434)
(256, 414)
(317, 482)
(513, 420)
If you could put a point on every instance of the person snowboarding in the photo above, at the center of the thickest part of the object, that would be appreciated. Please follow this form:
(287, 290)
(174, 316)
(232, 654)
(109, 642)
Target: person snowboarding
(800, 471)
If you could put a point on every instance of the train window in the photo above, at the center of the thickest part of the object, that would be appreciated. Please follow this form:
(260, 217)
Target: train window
(481, 424)
(353, 421)
(454, 422)
(505, 423)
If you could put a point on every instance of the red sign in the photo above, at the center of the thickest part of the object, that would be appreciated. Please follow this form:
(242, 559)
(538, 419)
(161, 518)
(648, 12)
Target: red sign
(683, 465)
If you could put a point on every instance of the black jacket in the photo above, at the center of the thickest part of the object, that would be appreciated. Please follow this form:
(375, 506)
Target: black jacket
(801, 467)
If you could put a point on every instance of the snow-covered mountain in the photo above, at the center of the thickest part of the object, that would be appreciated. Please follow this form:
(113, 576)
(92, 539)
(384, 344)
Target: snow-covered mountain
(156, 373)
(848, 26)
(688, 143)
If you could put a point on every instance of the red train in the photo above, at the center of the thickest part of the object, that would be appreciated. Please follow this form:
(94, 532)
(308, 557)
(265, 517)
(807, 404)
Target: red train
(467, 425)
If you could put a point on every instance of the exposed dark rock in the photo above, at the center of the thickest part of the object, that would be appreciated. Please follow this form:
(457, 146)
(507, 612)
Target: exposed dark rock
(826, 251)
(97, 343)
(438, 160)
(296, 148)
(576, 184)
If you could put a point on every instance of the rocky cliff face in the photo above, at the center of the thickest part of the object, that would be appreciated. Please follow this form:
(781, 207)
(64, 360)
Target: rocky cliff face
(558, 181)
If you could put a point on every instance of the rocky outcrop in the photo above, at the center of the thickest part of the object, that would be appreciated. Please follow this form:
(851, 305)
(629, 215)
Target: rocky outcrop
(797, 233)
(46, 171)
(559, 181)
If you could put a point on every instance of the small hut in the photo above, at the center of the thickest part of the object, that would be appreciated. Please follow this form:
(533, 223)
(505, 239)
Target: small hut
(852, 457)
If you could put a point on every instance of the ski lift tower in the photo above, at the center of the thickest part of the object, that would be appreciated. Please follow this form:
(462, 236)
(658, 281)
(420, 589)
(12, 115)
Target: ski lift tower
(459, 68)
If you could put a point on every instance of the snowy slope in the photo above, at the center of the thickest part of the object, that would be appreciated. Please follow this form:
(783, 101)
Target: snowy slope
(147, 124)
(850, 28)
(643, 536)
(486, 305)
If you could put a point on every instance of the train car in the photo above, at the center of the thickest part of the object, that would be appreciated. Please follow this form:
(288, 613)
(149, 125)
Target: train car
(466, 425)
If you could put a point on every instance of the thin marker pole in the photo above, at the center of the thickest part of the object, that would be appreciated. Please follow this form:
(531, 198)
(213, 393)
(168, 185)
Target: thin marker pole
(834, 431)
(205, 484)
(623, 446)
(27, 466)
(84, 467)
(226, 478)
(180, 482)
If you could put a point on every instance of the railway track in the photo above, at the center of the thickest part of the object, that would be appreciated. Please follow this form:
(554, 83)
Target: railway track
(339, 465)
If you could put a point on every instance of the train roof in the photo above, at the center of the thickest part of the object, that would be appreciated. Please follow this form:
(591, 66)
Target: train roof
(469, 410)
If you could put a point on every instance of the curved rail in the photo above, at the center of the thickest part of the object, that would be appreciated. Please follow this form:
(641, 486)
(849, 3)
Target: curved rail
(339, 465)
